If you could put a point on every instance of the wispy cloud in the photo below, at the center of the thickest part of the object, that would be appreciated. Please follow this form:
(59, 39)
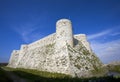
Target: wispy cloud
(28, 32)
(93, 36)
(29, 28)
(115, 34)
(108, 50)
(114, 31)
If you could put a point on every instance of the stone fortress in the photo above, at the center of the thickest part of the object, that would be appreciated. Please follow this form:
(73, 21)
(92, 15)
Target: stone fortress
(60, 52)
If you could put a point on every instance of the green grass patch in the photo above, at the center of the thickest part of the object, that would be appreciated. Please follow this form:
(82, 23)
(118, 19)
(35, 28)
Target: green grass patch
(98, 72)
(40, 76)
(114, 68)
(38, 73)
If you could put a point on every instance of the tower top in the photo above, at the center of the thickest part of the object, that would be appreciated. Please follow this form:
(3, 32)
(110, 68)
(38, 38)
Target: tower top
(63, 22)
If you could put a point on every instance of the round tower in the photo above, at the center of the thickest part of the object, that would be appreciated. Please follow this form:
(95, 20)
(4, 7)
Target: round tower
(64, 33)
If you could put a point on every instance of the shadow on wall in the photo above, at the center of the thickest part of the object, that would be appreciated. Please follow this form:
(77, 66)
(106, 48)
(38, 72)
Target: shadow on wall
(75, 41)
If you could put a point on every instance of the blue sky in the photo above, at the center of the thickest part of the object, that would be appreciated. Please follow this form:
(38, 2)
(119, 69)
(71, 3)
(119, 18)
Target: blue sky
(25, 21)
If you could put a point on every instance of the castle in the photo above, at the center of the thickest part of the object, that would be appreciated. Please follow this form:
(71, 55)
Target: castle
(60, 52)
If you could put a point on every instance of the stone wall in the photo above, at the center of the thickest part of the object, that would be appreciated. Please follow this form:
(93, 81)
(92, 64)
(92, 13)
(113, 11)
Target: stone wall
(83, 39)
(14, 58)
(60, 52)
(64, 33)
(42, 42)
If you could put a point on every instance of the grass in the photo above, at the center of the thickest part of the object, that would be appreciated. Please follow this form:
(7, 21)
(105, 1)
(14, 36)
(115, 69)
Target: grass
(4, 77)
(40, 76)
(98, 72)
(114, 68)
(36, 72)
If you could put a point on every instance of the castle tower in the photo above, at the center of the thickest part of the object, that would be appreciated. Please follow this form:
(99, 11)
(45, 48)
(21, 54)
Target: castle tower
(64, 33)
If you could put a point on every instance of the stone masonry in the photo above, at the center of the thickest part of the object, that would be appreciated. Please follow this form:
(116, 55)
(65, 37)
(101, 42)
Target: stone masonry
(60, 52)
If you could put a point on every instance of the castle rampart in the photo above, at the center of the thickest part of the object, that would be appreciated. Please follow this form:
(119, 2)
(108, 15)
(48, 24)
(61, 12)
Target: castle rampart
(50, 39)
(60, 52)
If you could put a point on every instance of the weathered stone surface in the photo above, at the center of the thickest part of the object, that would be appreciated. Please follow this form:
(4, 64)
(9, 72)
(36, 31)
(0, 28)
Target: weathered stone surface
(60, 52)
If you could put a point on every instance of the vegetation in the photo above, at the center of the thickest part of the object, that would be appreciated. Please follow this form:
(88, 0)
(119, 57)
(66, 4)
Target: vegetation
(114, 68)
(4, 77)
(3, 64)
(86, 52)
(40, 76)
(99, 71)
(36, 72)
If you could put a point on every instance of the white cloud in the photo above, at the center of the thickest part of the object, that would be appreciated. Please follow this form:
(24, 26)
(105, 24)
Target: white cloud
(93, 36)
(28, 32)
(107, 52)
(115, 34)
